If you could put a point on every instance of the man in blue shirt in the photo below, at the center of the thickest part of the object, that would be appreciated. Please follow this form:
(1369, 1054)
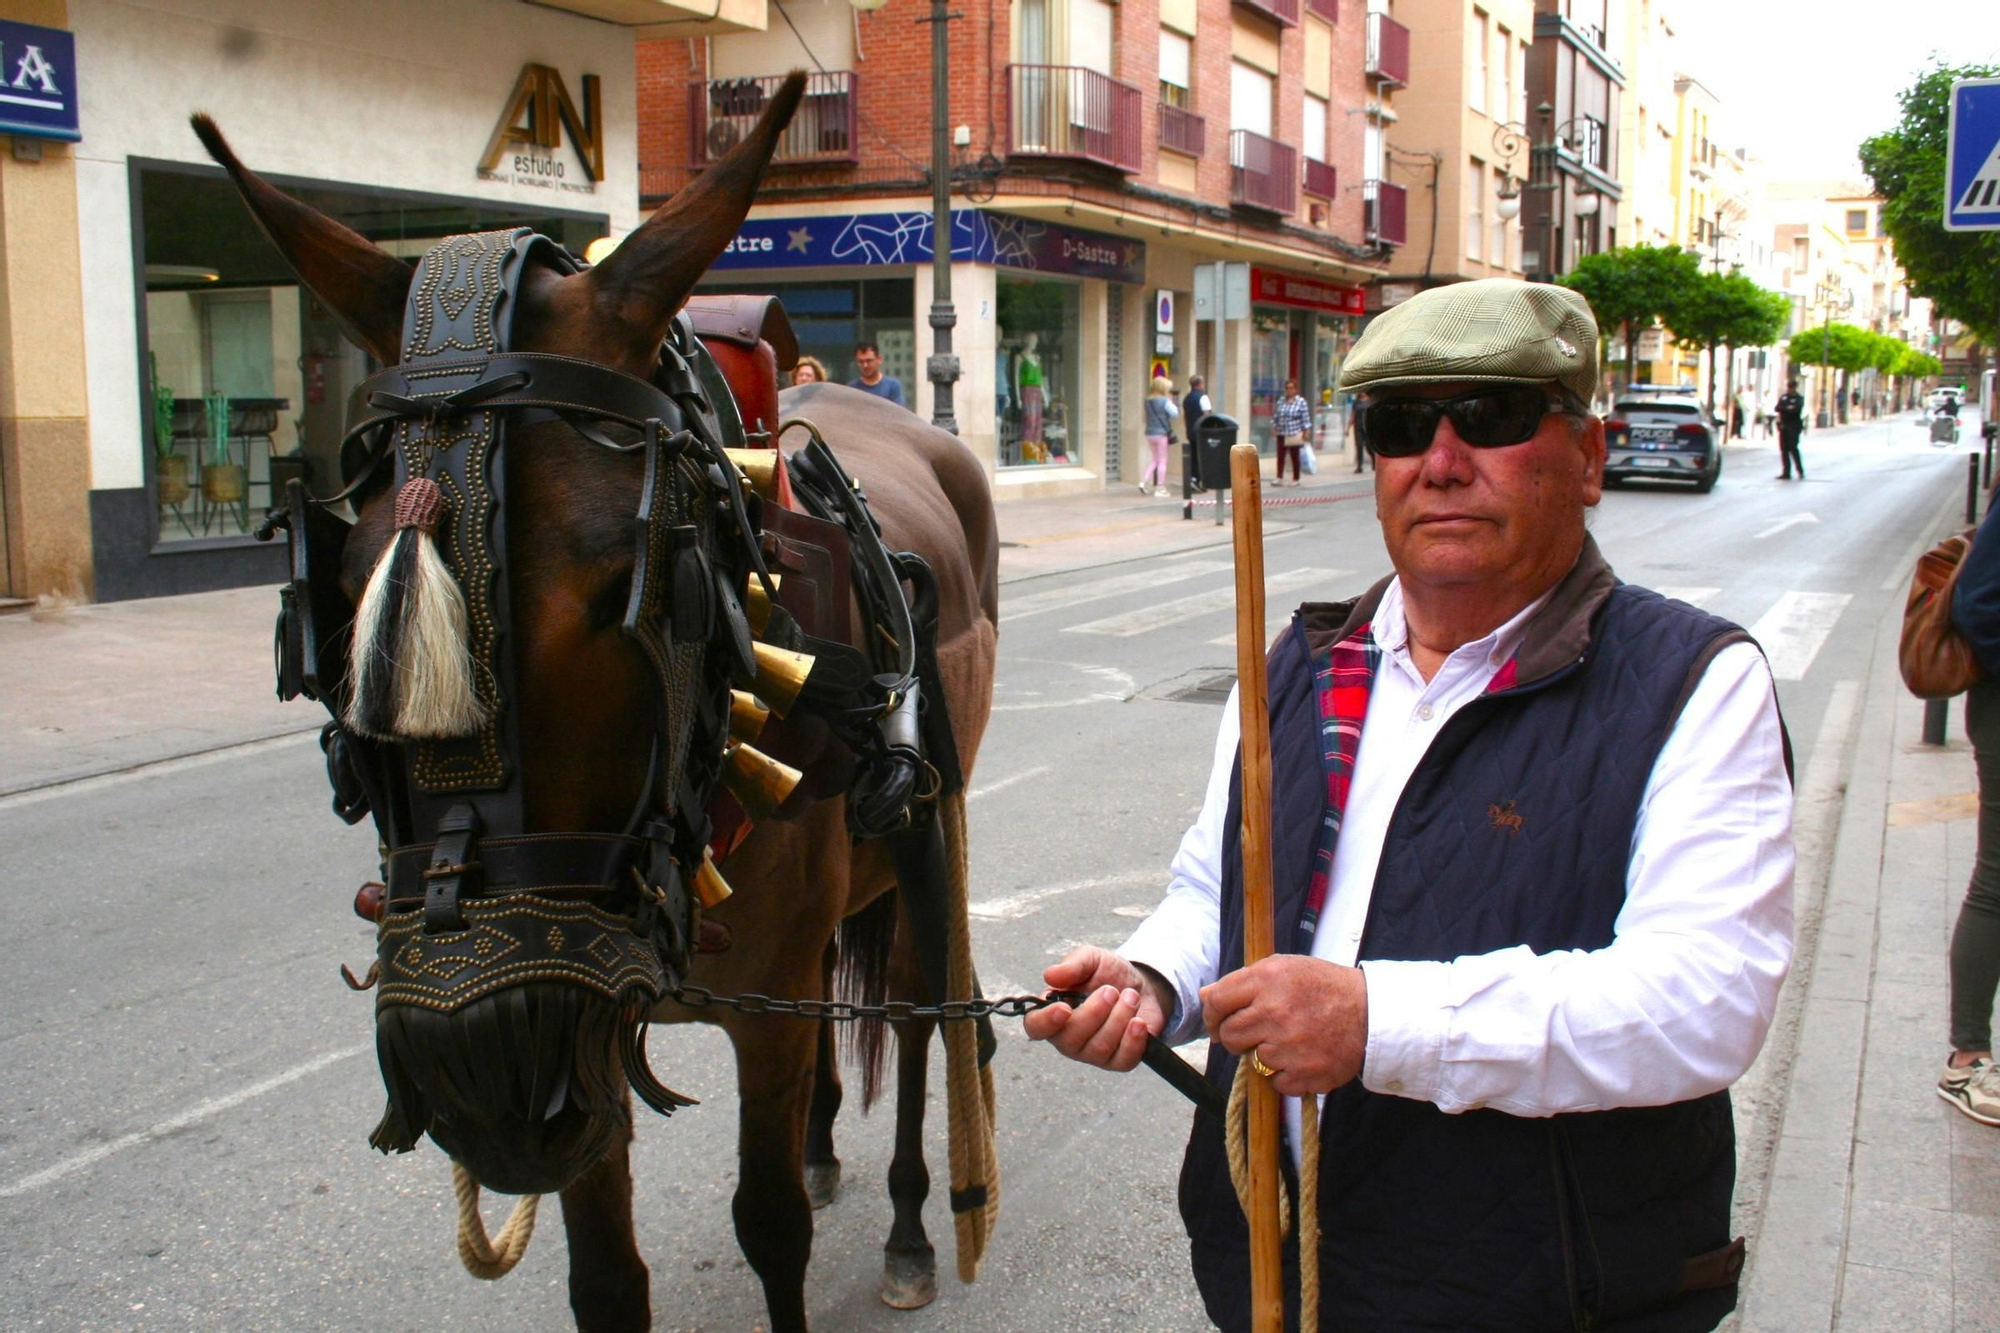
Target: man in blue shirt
(868, 360)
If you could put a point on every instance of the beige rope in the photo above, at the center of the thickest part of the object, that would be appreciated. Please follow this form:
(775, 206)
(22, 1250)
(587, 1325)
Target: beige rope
(496, 1259)
(969, 1096)
(1236, 1141)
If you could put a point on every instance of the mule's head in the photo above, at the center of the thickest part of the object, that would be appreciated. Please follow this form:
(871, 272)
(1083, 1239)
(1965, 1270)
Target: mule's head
(526, 1086)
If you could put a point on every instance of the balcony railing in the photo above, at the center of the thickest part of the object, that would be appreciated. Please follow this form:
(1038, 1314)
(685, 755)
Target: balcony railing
(1284, 11)
(1388, 51)
(722, 111)
(1263, 173)
(1183, 131)
(1385, 212)
(1320, 181)
(1326, 9)
(1068, 111)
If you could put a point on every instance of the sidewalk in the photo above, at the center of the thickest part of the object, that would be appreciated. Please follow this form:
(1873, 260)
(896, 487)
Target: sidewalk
(1883, 1203)
(91, 690)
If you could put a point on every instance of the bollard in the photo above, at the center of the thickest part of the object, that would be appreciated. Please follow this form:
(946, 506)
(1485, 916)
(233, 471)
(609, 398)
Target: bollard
(1187, 478)
(1987, 482)
(1972, 489)
(1934, 718)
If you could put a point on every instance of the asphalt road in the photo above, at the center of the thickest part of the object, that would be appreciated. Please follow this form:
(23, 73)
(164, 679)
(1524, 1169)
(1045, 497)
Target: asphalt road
(189, 1087)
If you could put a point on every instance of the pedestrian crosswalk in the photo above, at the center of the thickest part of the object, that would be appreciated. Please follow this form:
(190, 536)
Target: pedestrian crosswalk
(1160, 615)
(1792, 626)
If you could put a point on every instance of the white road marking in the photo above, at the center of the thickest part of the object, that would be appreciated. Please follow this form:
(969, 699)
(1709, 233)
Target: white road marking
(1162, 614)
(1004, 783)
(1271, 629)
(1692, 596)
(1121, 683)
(1793, 630)
(1783, 523)
(1014, 906)
(193, 1115)
(1121, 585)
(158, 769)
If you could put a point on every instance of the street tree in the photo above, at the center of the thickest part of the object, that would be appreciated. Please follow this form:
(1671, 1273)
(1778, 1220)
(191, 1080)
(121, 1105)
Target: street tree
(1725, 310)
(1631, 287)
(1837, 346)
(1958, 271)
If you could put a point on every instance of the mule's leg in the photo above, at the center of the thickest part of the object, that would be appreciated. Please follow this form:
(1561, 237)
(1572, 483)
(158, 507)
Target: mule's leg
(773, 1217)
(909, 1264)
(608, 1284)
(822, 1167)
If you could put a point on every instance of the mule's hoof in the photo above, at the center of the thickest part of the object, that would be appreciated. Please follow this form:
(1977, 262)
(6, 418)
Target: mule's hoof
(909, 1278)
(822, 1182)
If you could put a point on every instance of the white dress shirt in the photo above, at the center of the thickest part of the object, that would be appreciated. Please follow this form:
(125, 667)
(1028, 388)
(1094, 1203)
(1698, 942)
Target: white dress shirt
(1675, 1007)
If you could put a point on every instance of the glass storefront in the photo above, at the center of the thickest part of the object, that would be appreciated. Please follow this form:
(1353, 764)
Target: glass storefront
(247, 375)
(1036, 370)
(830, 317)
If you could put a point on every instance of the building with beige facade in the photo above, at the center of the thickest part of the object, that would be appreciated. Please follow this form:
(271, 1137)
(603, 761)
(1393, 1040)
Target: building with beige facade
(162, 374)
(1460, 140)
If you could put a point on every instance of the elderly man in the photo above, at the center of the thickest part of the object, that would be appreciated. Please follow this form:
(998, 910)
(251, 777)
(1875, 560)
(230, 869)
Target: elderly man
(1533, 860)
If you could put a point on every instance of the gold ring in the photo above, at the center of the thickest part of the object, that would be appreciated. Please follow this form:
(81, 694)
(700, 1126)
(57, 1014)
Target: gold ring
(1257, 1063)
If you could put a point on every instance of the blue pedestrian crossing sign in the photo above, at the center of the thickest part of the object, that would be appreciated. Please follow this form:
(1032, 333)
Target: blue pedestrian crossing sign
(1972, 157)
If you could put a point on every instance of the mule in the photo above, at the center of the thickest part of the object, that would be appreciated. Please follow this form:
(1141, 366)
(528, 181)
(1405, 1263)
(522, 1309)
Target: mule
(584, 762)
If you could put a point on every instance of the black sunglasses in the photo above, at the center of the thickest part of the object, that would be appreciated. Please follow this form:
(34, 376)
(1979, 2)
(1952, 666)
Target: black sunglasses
(1487, 418)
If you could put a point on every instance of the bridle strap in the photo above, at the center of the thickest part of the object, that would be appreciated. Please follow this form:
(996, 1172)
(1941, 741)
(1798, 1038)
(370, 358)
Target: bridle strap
(438, 390)
(561, 862)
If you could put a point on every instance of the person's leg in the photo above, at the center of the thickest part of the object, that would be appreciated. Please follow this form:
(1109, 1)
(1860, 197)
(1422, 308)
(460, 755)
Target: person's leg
(1159, 469)
(1975, 939)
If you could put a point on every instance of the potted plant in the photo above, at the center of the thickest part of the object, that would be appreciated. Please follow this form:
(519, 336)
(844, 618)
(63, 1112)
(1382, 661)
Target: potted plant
(170, 475)
(222, 481)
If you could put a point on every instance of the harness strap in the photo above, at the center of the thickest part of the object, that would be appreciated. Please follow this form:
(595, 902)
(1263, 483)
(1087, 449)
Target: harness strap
(434, 390)
(563, 861)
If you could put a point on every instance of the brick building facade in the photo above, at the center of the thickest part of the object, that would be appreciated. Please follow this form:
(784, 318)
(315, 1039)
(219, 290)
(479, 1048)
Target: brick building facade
(1102, 152)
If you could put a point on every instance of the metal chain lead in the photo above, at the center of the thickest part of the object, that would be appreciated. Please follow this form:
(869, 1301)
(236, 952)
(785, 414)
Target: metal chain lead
(895, 1011)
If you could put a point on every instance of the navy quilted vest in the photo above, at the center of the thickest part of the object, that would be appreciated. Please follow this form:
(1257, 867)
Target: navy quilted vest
(1485, 1220)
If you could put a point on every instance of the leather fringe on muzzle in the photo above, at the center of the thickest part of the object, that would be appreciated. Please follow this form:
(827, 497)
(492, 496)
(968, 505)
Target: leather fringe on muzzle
(411, 662)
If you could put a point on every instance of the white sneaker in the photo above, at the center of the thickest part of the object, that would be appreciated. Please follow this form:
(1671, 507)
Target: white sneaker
(1973, 1090)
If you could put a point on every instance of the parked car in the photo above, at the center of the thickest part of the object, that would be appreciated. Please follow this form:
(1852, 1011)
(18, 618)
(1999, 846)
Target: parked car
(1663, 433)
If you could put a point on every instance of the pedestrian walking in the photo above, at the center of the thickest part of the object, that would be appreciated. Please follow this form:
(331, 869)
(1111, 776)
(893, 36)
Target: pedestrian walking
(1160, 413)
(1291, 427)
(1195, 404)
(1353, 425)
(1533, 864)
(1971, 1080)
(1791, 416)
(1739, 414)
(868, 361)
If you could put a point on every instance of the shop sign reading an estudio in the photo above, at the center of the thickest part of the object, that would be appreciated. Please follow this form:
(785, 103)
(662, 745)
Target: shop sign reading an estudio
(977, 236)
(524, 149)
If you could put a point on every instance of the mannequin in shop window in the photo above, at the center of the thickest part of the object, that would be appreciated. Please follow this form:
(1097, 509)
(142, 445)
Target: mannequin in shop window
(1028, 392)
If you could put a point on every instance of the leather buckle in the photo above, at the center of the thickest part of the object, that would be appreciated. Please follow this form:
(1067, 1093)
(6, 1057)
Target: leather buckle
(451, 862)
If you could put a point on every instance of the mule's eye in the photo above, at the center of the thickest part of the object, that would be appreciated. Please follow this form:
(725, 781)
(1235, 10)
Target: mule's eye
(607, 606)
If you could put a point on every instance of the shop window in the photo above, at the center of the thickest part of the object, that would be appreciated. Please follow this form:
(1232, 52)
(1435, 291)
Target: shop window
(246, 375)
(1036, 370)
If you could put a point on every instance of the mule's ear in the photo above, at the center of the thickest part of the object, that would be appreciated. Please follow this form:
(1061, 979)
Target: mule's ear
(644, 281)
(363, 287)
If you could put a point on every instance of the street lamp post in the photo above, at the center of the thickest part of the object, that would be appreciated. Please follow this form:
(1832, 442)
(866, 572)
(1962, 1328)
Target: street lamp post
(1543, 177)
(942, 368)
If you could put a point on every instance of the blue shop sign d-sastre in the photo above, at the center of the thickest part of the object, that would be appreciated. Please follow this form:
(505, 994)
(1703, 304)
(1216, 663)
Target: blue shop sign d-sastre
(977, 236)
(37, 82)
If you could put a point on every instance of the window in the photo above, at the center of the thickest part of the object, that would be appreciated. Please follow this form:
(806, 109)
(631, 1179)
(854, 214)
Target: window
(1251, 93)
(1314, 139)
(1503, 72)
(1475, 95)
(1857, 222)
(1475, 209)
(1176, 70)
(1799, 256)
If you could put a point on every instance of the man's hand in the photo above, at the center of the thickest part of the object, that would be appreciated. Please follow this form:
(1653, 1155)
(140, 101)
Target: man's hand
(1109, 1029)
(1305, 1017)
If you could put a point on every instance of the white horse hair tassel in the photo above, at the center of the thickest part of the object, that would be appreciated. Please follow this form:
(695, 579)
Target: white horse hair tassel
(412, 663)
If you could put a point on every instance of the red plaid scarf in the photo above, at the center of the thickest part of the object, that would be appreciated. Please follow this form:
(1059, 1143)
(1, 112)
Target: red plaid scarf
(1343, 680)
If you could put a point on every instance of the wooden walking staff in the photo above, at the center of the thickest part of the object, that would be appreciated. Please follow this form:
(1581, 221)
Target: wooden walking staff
(1267, 1300)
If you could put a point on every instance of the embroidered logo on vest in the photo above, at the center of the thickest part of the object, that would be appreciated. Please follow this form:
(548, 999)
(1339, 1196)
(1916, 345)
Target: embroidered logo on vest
(1503, 817)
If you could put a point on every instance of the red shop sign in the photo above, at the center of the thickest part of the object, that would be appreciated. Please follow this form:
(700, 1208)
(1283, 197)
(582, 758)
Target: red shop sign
(1272, 287)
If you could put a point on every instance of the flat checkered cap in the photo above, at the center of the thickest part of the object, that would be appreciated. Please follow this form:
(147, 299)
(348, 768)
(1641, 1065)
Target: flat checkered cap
(1496, 330)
